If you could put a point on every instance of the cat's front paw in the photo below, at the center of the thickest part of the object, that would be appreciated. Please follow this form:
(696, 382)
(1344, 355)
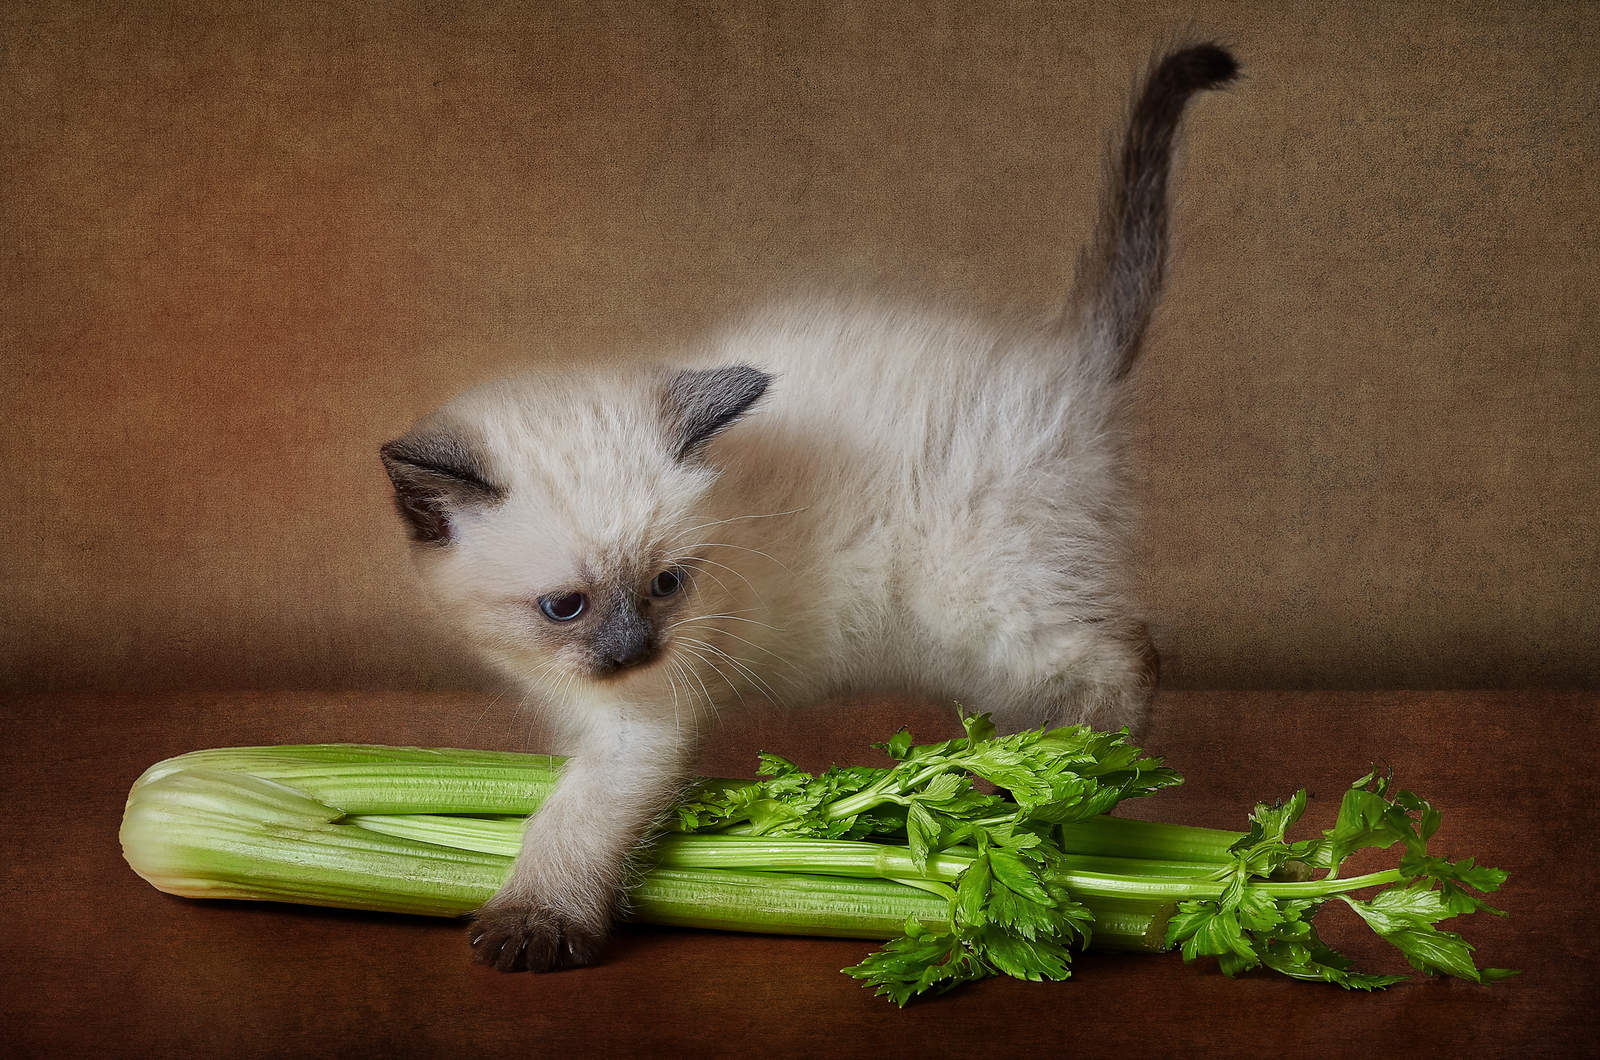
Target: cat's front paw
(519, 935)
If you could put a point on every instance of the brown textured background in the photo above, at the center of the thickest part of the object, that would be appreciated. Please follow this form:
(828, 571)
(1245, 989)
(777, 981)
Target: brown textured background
(243, 244)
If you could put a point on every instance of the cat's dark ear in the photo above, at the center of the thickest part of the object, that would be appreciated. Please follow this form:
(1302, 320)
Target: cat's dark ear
(699, 403)
(435, 476)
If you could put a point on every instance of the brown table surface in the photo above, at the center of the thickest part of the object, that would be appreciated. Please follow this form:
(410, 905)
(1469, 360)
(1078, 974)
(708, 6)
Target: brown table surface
(97, 961)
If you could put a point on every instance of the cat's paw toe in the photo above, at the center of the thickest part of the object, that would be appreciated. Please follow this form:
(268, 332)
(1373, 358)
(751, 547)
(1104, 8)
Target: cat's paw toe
(528, 938)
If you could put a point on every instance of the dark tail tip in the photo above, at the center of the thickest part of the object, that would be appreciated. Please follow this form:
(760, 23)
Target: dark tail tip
(1197, 67)
(1120, 275)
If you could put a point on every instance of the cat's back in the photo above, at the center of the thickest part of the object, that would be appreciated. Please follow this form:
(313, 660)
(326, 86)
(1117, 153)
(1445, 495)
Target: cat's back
(939, 460)
(903, 391)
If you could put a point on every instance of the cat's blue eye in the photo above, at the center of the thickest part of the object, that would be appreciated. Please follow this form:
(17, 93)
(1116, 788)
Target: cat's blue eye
(666, 583)
(563, 607)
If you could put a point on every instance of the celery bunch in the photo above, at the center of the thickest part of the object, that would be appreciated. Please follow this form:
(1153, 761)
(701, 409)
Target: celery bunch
(963, 881)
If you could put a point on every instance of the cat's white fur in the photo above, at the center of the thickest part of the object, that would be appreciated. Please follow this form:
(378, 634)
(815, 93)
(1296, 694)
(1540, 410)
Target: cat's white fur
(899, 511)
(916, 503)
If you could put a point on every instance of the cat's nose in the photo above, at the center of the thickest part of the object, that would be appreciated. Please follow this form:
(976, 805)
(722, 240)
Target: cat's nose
(625, 639)
(631, 652)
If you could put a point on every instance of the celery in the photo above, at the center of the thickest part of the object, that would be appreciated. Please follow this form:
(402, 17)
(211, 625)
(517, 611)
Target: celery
(961, 883)
(200, 832)
(360, 778)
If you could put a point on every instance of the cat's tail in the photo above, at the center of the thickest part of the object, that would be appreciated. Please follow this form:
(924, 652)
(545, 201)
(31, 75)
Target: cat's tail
(1119, 274)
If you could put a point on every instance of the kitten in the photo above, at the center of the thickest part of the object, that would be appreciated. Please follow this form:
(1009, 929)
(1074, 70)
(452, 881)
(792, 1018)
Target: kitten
(828, 499)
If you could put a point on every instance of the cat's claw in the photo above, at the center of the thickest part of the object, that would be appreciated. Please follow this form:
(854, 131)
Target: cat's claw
(527, 938)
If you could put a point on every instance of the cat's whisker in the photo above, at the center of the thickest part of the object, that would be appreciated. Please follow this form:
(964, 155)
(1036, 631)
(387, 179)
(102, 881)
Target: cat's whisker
(677, 722)
(676, 667)
(711, 706)
(760, 647)
(494, 701)
(710, 702)
(538, 673)
(566, 684)
(691, 623)
(693, 562)
(730, 611)
(754, 677)
(522, 703)
(685, 674)
(733, 617)
(722, 584)
(714, 668)
(737, 518)
(732, 570)
(741, 548)
(759, 681)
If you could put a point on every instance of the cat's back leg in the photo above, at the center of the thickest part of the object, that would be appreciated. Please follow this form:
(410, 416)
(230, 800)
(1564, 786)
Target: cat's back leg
(1026, 616)
(1101, 673)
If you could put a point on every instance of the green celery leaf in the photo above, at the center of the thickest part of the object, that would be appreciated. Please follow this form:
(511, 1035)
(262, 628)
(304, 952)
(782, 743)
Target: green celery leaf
(1404, 917)
(1454, 878)
(1264, 849)
(1206, 929)
(915, 964)
(1428, 818)
(922, 834)
(1317, 962)
(1034, 959)
(1436, 952)
(1022, 916)
(1232, 964)
(979, 727)
(1017, 875)
(897, 746)
(972, 893)
(944, 788)
(780, 768)
(1402, 907)
(1258, 913)
(1362, 822)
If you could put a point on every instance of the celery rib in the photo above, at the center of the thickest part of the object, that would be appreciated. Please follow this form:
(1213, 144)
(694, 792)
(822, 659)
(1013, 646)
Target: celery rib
(436, 832)
(201, 832)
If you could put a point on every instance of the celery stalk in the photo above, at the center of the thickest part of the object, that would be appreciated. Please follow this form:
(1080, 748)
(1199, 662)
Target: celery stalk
(364, 778)
(1126, 838)
(503, 835)
(201, 832)
(962, 883)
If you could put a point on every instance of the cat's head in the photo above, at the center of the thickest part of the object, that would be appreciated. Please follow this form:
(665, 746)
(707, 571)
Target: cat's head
(555, 517)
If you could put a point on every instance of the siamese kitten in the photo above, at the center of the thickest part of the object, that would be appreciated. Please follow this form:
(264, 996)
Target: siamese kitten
(826, 499)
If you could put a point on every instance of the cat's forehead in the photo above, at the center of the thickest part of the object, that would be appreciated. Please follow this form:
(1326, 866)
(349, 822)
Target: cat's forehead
(585, 462)
(573, 433)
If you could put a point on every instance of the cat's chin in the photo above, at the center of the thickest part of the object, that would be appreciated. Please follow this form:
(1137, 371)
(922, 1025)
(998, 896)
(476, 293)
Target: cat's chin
(586, 687)
(617, 675)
